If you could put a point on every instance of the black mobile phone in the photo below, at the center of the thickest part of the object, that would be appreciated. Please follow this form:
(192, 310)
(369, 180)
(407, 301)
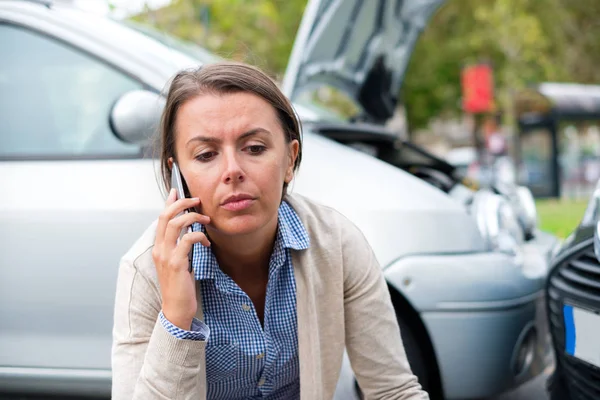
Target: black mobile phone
(178, 183)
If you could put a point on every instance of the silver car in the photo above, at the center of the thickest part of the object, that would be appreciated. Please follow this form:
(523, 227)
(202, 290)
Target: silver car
(80, 95)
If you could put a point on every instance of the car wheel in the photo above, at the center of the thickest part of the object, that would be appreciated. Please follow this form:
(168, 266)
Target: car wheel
(414, 354)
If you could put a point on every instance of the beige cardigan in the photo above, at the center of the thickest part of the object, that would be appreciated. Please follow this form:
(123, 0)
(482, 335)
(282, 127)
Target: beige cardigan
(342, 302)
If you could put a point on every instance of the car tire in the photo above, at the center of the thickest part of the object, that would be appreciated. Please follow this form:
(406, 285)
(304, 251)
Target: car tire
(414, 354)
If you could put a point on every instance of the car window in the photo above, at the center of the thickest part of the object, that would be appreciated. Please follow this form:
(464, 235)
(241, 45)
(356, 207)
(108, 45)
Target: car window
(56, 99)
(173, 42)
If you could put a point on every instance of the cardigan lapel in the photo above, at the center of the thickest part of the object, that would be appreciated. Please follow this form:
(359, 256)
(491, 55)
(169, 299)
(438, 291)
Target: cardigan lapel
(308, 339)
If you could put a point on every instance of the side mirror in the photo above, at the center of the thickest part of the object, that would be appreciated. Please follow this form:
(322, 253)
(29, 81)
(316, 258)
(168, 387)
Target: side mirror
(135, 116)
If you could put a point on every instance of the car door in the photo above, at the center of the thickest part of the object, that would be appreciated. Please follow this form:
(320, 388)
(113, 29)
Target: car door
(73, 200)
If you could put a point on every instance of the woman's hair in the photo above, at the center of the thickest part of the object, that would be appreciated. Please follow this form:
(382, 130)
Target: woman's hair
(222, 78)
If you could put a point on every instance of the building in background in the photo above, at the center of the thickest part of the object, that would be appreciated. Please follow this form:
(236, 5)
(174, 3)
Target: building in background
(559, 139)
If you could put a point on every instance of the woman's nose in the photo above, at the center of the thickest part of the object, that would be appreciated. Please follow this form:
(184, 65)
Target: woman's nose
(233, 172)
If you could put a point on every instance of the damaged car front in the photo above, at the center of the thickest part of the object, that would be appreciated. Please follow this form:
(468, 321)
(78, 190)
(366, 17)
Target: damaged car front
(469, 302)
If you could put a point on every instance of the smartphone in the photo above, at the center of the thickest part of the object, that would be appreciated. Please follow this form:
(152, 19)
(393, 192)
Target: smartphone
(178, 183)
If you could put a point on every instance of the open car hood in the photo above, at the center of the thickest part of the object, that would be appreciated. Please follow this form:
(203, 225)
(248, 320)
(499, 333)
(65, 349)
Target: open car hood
(361, 47)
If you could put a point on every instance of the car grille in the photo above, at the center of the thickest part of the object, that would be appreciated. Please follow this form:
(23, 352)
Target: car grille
(576, 280)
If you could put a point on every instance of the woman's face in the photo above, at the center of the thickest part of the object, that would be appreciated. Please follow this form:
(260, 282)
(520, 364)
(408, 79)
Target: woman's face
(233, 155)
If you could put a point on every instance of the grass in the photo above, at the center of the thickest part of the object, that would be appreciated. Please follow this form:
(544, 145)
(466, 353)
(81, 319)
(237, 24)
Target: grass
(560, 217)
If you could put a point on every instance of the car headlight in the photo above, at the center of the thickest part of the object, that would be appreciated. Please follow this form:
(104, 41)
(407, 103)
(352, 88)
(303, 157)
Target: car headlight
(527, 213)
(498, 223)
(523, 203)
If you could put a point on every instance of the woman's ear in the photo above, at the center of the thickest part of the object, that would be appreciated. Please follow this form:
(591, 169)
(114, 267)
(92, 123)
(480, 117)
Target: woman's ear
(293, 149)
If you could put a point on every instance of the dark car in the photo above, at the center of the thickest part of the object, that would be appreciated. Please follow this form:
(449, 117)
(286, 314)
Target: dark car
(573, 292)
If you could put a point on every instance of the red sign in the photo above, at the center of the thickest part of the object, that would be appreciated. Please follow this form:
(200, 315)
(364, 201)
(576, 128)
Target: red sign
(477, 88)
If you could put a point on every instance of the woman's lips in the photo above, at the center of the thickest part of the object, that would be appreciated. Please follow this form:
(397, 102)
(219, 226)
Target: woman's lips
(238, 205)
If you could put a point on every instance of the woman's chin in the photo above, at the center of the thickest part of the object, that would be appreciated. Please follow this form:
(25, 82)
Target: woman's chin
(237, 225)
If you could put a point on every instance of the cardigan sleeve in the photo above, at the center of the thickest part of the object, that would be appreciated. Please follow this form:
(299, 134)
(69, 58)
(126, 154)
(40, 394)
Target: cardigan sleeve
(373, 339)
(148, 362)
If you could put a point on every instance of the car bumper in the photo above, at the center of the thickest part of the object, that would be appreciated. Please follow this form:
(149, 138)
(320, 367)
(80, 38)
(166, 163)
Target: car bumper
(484, 313)
(56, 381)
(486, 352)
(478, 352)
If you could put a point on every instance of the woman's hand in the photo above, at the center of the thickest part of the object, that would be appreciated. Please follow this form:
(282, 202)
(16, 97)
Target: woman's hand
(177, 284)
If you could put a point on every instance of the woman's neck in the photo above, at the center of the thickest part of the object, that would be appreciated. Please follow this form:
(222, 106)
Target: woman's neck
(245, 258)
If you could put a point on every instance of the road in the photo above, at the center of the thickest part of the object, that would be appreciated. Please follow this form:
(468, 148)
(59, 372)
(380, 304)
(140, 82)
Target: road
(534, 390)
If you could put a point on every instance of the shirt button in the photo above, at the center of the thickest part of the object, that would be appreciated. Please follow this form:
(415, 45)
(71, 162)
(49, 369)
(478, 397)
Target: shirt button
(246, 307)
(260, 356)
(261, 382)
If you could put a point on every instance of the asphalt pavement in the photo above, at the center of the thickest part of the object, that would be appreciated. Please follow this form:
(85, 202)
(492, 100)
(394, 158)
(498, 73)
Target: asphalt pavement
(532, 390)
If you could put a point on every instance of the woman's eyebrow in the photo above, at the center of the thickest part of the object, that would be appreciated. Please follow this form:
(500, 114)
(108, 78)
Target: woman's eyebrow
(216, 140)
(204, 139)
(253, 132)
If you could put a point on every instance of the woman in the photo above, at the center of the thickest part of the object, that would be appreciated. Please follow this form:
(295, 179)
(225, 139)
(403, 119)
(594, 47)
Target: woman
(280, 285)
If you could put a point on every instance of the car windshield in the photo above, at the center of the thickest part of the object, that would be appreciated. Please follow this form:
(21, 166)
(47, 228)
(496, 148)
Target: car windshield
(183, 46)
(308, 109)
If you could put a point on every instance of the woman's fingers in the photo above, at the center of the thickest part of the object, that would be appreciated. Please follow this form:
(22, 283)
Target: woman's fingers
(172, 259)
(185, 245)
(176, 225)
(173, 207)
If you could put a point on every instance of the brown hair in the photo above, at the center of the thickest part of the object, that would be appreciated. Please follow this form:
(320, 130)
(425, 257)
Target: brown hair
(222, 78)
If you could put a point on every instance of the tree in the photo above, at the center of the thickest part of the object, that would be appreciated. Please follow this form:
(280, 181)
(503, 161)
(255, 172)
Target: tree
(526, 42)
(513, 35)
(260, 32)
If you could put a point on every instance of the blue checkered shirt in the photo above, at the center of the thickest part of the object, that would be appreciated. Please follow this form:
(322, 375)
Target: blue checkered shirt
(243, 359)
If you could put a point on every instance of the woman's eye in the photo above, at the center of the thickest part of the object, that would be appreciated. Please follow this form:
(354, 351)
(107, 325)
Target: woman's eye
(207, 156)
(256, 149)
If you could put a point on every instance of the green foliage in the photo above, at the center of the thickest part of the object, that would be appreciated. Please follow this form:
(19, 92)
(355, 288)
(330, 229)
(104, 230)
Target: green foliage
(526, 41)
(512, 35)
(560, 217)
(260, 32)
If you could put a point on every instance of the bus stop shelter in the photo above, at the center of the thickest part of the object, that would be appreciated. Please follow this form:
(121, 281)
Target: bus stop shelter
(558, 143)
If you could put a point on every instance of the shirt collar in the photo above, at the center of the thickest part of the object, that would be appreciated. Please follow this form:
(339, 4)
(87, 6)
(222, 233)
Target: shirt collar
(291, 234)
(291, 231)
